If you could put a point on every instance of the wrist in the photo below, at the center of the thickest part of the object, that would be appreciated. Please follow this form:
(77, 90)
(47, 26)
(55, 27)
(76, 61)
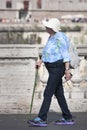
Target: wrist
(66, 69)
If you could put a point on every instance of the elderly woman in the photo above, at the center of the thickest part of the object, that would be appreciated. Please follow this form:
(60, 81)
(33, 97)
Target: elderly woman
(56, 58)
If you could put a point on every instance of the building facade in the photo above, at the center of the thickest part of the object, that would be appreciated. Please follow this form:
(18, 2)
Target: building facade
(25, 9)
(66, 5)
(11, 9)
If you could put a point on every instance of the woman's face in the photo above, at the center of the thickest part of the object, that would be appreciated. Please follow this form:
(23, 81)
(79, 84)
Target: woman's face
(49, 30)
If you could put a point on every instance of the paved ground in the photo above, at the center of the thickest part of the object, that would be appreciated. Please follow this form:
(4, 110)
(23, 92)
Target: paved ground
(19, 122)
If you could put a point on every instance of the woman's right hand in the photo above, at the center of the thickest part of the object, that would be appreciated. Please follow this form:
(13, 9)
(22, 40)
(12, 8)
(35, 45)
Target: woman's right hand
(38, 64)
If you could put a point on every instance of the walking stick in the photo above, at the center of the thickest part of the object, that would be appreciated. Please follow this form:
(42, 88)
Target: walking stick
(32, 99)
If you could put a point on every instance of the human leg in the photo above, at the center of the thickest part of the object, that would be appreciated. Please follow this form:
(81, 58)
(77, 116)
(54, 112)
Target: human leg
(48, 93)
(59, 93)
(55, 73)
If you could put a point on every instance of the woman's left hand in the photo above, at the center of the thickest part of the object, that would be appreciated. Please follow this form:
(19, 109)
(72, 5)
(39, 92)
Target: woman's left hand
(68, 75)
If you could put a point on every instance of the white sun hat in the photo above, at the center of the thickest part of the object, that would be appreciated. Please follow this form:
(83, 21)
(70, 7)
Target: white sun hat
(52, 23)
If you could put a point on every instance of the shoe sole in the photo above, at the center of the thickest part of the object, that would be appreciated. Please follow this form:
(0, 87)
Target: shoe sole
(40, 125)
(65, 123)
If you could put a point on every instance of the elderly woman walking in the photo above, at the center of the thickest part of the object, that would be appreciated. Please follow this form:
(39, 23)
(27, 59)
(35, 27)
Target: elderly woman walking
(56, 58)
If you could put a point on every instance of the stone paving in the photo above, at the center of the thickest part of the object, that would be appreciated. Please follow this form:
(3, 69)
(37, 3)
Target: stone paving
(19, 122)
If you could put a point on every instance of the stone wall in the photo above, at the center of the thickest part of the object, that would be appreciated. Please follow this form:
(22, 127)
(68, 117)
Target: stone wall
(17, 74)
